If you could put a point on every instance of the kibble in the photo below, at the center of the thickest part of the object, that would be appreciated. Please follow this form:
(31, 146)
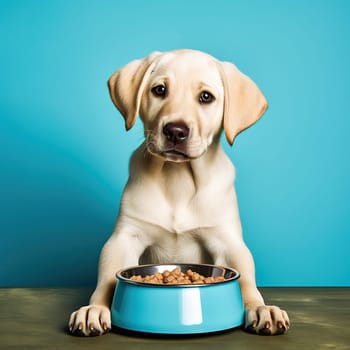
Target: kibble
(176, 276)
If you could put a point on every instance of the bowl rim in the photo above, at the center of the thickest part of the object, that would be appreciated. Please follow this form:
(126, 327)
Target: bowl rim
(225, 269)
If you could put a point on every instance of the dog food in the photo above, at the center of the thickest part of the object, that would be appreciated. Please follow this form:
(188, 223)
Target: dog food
(176, 276)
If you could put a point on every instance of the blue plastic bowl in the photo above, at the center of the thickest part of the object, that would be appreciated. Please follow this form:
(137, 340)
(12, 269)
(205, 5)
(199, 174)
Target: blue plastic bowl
(177, 309)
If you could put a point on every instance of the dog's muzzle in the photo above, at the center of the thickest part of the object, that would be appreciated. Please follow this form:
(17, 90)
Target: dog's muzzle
(176, 135)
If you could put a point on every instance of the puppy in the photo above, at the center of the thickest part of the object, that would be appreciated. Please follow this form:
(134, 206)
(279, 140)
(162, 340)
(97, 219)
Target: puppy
(179, 204)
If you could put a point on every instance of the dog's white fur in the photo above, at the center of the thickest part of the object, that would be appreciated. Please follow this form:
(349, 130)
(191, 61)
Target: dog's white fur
(179, 204)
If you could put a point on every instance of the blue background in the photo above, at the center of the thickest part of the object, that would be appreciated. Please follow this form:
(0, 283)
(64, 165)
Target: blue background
(64, 151)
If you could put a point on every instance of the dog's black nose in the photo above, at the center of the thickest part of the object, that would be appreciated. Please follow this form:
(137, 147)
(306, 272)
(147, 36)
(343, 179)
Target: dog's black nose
(176, 132)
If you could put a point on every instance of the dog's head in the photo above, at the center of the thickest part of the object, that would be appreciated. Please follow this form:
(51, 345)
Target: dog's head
(185, 98)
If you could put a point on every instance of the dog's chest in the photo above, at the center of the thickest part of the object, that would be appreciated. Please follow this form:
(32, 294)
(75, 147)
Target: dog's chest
(183, 206)
(180, 200)
(177, 198)
(182, 219)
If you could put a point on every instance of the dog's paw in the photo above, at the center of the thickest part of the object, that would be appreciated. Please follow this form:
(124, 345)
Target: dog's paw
(266, 320)
(91, 320)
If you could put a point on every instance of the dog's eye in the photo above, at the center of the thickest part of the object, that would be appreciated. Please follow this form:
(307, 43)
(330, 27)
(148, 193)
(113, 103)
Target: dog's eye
(206, 97)
(159, 91)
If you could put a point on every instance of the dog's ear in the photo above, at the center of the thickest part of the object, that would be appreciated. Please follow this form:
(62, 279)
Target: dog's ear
(126, 87)
(244, 103)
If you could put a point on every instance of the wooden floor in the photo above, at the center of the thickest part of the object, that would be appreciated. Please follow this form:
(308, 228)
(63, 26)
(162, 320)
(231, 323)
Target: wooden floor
(36, 319)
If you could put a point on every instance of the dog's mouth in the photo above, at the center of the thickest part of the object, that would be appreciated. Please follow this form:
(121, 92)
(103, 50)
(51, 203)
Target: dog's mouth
(175, 155)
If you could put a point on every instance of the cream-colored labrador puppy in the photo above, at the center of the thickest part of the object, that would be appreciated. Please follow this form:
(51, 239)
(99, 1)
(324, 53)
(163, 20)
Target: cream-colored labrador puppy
(179, 204)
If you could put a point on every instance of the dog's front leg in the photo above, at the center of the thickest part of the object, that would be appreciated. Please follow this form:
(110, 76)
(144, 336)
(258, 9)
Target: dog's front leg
(259, 318)
(123, 248)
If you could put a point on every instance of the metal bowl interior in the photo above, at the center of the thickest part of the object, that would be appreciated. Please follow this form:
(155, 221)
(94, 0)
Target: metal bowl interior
(206, 270)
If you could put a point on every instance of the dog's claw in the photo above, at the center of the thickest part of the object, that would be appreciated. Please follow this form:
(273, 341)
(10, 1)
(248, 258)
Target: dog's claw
(251, 329)
(78, 332)
(280, 330)
(94, 332)
(265, 331)
(105, 328)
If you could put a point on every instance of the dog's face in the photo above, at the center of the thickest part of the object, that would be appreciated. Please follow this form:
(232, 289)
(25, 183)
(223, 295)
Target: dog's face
(184, 98)
(182, 106)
